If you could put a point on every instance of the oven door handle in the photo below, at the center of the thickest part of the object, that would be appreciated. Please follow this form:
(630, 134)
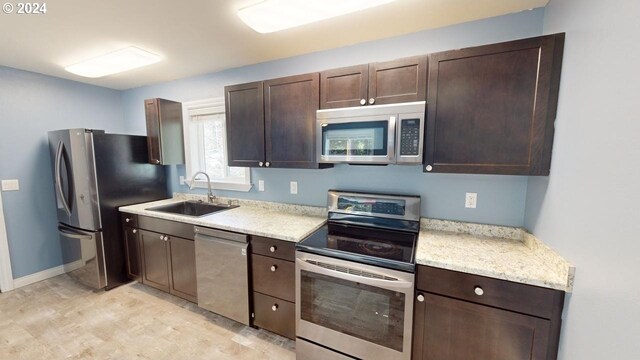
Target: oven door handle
(382, 283)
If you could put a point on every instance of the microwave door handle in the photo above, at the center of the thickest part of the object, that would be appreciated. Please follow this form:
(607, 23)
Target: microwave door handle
(58, 178)
(391, 138)
(387, 284)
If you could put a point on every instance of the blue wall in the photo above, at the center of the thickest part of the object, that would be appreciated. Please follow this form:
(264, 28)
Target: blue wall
(30, 105)
(500, 198)
(588, 208)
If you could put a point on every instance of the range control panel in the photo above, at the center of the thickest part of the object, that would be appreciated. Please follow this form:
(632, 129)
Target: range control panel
(409, 137)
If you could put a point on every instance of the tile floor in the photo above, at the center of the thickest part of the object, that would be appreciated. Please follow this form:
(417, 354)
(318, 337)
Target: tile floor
(60, 319)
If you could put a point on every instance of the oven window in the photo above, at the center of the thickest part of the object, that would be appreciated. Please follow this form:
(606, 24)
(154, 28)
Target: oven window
(367, 138)
(366, 312)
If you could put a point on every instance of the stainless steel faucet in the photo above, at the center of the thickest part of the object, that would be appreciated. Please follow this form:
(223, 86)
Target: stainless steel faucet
(210, 195)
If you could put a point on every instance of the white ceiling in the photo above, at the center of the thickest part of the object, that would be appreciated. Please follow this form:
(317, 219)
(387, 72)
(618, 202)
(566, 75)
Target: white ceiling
(201, 36)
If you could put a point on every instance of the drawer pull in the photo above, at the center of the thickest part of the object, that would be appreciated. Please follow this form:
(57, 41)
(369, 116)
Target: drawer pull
(273, 267)
(478, 290)
(134, 231)
(273, 248)
(127, 220)
(421, 298)
(274, 307)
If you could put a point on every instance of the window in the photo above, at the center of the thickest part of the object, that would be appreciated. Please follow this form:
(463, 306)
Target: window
(206, 147)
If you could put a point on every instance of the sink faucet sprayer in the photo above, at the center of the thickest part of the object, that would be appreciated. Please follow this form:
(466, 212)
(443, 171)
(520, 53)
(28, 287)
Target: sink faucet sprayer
(210, 195)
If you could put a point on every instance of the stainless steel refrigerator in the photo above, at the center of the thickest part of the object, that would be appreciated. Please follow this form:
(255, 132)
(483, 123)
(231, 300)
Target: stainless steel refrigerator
(94, 174)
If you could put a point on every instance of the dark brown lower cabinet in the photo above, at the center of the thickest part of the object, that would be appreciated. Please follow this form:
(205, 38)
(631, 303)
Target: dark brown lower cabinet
(183, 269)
(460, 330)
(273, 285)
(168, 264)
(460, 316)
(132, 249)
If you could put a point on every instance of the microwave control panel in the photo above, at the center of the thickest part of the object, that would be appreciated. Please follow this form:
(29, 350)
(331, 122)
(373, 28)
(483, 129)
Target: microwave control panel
(409, 137)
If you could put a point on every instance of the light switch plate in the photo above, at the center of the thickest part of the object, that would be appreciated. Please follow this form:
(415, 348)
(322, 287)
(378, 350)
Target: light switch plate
(471, 200)
(260, 185)
(294, 187)
(10, 185)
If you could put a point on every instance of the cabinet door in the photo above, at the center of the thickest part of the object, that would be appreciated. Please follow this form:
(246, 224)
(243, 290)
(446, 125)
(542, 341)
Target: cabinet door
(245, 124)
(344, 87)
(491, 108)
(132, 252)
(153, 131)
(183, 268)
(155, 260)
(397, 81)
(290, 121)
(450, 329)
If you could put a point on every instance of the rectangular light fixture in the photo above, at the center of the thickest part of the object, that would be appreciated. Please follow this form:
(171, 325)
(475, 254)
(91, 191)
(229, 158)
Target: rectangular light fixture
(275, 15)
(114, 62)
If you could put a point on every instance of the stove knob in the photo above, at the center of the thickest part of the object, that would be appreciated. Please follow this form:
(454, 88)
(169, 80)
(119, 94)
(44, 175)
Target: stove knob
(274, 307)
(273, 248)
(420, 297)
(273, 267)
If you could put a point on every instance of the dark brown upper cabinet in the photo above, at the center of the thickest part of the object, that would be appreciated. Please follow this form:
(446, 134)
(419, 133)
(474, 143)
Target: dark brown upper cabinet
(491, 109)
(272, 123)
(165, 137)
(244, 106)
(402, 80)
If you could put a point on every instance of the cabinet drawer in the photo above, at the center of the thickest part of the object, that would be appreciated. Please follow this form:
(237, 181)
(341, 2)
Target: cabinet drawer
(502, 294)
(273, 277)
(130, 220)
(281, 320)
(280, 249)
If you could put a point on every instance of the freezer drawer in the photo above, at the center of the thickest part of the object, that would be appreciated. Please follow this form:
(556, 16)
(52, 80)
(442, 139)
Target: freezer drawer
(83, 256)
(222, 273)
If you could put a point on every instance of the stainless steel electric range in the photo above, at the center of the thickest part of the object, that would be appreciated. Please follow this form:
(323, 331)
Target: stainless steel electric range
(354, 279)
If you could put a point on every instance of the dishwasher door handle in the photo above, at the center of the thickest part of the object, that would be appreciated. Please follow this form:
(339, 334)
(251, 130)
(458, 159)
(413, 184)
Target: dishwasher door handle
(225, 242)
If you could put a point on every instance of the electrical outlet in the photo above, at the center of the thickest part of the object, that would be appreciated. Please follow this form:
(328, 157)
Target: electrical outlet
(10, 185)
(183, 181)
(471, 200)
(260, 185)
(294, 187)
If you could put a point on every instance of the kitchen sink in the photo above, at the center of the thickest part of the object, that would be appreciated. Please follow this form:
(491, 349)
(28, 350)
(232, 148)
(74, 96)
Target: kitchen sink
(192, 208)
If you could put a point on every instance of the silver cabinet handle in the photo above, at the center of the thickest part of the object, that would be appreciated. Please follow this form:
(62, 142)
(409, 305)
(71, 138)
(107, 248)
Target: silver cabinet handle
(478, 290)
(161, 237)
(420, 297)
(274, 267)
(363, 102)
(267, 164)
(260, 164)
(274, 307)
(166, 238)
(372, 101)
(273, 249)
(134, 231)
(127, 220)
(428, 168)
(157, 161)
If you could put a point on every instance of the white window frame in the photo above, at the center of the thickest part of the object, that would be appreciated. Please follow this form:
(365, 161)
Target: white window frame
(206, 107)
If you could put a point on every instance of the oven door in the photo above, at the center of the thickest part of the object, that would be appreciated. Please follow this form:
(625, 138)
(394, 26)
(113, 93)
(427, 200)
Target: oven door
(357, 140)
(360, 310)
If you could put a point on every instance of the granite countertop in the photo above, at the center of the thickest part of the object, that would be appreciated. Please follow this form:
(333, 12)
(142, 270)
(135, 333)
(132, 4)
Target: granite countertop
(494, 251)
(498, 252)
(274, 220)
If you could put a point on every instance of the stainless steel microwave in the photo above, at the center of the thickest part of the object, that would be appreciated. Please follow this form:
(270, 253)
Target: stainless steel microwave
(379, 134)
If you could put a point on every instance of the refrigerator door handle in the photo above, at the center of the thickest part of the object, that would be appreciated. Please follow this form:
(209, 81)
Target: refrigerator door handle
(73, 234)
(58, 169)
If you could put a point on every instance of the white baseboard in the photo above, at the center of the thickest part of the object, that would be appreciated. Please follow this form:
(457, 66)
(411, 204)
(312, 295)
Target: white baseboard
(46, 274)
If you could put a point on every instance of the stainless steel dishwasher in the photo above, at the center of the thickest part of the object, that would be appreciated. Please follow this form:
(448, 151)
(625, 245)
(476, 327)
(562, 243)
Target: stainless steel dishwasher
(223, 273)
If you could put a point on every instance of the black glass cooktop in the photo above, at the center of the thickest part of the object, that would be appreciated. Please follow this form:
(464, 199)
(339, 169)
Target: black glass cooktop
(387, 248)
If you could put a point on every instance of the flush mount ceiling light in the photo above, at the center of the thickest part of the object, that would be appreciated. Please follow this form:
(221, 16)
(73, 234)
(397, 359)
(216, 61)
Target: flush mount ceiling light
(275, 15)
(114, 62)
